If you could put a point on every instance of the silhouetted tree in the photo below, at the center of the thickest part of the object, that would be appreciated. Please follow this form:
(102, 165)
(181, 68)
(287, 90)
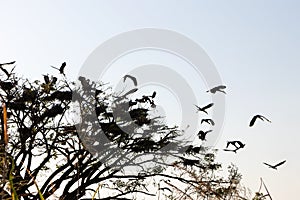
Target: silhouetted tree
(51, 154)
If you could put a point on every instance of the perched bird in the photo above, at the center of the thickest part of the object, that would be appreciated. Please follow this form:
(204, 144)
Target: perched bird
(203, 109)
(132, 78)
(236, 144)
(219, 88)
(209, 121)
(61, 69)
(275, 166)
(258, 117)
(46, 78)
(132, 103)
(201, 134)
(54, 80)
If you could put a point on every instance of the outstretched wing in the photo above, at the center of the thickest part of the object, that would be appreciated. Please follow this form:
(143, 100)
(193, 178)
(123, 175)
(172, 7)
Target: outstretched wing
(240, 143)
(208, 106)
(281, 163)
(130, 92)
(153, 94)
(132, 78)
(197, 107)
(230, 150)
(253, 120)
(228, 143)
(212, 122)
(269, 165)
(62, 68)
(9, 63)
(220, 87)
(265, 118)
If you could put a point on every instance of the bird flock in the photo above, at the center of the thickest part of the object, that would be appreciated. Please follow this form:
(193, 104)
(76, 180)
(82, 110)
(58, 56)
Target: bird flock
(234, 145)
(231, 146)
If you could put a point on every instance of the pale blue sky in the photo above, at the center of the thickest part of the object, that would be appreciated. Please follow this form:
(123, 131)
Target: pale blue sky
(255, 46)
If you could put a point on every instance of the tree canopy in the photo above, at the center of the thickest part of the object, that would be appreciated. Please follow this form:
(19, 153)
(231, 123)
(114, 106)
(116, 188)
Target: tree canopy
(50, 154)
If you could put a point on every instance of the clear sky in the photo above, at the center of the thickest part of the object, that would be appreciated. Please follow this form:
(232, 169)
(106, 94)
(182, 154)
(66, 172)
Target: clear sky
(254, 44)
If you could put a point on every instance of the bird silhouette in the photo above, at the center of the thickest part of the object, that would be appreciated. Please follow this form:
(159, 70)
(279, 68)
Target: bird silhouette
(54, 80)
(201, 134)
(209, 121)
(46, 78)
(236, 144)
(61, 69)
(258, 117)
(132, 78)
(203, 109)
(9, 63)
(219, 88)
(275, 166)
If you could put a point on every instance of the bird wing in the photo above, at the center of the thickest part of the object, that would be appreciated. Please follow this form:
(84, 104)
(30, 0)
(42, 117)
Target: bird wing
(240, 143)
(130, 92)
(228, 143)
(61, 69)
(269, 165)
(207, 131)
(253, 120)
(221, 87)
(4, 70)
(280, 163)
(197, 107)
(154, 94)
(230, 150)
(208, 106)
(212, 122)
(46, 79)
(132, 78)
(264, 118)
(9, 63)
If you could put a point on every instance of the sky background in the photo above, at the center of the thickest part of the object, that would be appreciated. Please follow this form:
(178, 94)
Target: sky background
(255, 46)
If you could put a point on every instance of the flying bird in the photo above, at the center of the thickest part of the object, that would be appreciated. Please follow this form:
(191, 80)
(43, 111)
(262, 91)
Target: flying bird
(203, 109)
(219, 88)
(209, 121)
(236, 144)
(258, 117)
(61, 69)
(275, 166)
(132, 78)
(201, 134)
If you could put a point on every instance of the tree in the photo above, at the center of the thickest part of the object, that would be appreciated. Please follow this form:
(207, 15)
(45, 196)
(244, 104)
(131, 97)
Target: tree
(49, 155)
